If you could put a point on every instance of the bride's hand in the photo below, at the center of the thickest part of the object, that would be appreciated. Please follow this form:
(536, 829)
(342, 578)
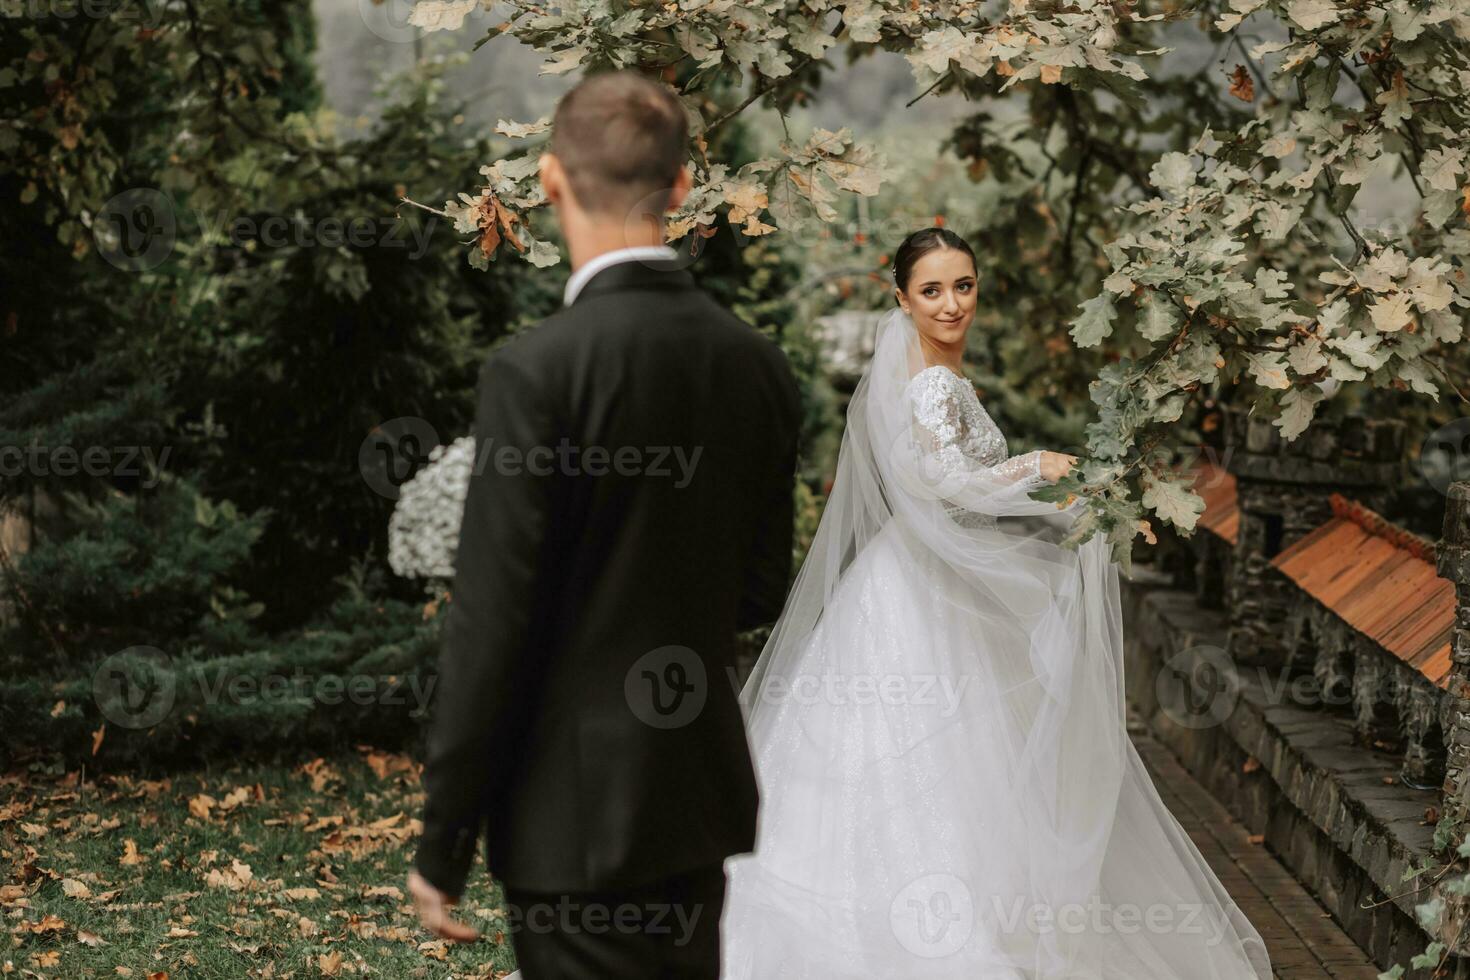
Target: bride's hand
(1054, 466)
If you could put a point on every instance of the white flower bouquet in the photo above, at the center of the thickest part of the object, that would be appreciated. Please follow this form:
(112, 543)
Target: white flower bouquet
(423, 532)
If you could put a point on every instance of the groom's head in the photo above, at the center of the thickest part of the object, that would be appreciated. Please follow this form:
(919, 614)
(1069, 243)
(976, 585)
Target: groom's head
(618, 148)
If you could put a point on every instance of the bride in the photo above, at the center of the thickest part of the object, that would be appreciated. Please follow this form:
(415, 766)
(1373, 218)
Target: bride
(947, 787)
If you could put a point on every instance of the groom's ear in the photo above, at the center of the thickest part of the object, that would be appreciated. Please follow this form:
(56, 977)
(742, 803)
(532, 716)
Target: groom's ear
(553, 178)
(682, 184)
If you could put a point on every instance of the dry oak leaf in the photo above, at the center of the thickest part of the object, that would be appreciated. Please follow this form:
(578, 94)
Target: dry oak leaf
(1242, 86)
(237, 797)
(385, 764)
(49, 923)
(331, 820)
(320, 772)
(236, 877)
(75, 889)
(130, 854)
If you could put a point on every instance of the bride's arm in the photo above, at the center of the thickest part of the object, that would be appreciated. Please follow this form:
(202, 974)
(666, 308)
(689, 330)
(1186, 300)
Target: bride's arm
(952, 474)
(1023, 467)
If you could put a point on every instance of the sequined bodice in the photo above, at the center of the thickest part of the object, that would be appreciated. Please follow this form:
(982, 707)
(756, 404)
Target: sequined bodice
(962, 436)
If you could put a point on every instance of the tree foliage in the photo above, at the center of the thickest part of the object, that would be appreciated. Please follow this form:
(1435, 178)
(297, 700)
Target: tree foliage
(1200, 229)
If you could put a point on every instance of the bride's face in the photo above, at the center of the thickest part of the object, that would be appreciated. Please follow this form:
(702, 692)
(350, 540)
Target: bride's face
(940, 297)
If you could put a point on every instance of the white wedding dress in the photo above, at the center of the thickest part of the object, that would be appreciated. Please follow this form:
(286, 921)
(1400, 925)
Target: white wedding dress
(947, 786)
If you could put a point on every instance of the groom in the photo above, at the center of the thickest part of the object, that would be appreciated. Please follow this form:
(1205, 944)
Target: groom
(633, 511)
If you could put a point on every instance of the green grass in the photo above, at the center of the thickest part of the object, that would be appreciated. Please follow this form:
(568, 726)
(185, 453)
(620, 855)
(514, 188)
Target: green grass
(346, 827)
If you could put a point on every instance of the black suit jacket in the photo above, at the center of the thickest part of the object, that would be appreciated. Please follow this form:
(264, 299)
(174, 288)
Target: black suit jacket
(631, 510)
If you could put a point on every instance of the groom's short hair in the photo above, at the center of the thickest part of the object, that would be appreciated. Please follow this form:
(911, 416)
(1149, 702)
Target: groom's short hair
(621, 140)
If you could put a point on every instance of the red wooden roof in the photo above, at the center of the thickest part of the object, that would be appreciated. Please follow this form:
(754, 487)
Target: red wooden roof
(1216, 487)
(1381, 581)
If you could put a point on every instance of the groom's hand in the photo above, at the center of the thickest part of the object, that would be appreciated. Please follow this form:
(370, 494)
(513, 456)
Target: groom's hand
(433, 908)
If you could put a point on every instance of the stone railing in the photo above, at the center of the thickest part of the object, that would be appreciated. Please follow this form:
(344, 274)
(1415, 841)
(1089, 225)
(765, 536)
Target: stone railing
(1283, 493)
(1340, 732)
(1368, 631)
(1453, 559)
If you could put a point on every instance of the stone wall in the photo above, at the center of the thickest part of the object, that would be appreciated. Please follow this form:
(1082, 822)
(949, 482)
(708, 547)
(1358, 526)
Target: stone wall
(1334, 811)
(1344, 758)
(1454, 564)
(1283, 490)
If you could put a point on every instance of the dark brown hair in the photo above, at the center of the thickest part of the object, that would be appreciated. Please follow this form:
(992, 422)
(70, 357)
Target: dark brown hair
(919, 244)
(621, 139)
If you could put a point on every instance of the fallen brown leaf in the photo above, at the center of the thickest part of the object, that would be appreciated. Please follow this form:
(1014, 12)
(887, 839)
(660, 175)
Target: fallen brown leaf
(130, 854)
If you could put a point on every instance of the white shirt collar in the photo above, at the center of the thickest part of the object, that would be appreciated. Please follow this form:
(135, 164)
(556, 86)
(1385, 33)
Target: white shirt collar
(634, 253)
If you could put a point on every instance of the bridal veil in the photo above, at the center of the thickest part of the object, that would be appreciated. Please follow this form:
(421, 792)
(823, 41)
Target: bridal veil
(938, 721)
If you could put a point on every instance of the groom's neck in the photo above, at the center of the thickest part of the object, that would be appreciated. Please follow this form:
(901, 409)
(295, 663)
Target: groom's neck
(588, 239)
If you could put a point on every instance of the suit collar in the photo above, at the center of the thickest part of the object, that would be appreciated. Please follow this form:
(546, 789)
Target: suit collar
(660, 273)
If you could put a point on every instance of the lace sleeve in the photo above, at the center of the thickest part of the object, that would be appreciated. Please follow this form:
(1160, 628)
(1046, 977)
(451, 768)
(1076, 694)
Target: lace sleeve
(939, 418)
(1024, 467)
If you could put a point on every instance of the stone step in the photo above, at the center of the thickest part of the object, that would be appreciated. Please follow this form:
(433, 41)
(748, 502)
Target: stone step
(1303, 940)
